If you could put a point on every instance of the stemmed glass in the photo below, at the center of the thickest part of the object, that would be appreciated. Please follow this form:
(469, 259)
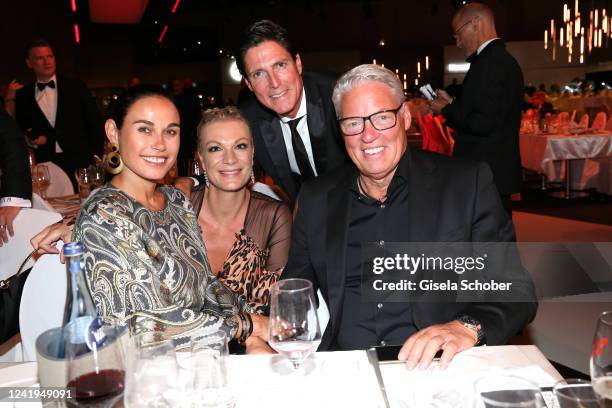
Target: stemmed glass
(601, 359)
(95, 360)
(294, 325)
(41, 179)
(83, 178)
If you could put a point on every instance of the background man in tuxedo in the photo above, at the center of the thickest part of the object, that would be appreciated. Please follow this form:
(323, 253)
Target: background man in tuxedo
(16, 181)
(393, 194)
(292, 118)
(487, 115)
(59, 114)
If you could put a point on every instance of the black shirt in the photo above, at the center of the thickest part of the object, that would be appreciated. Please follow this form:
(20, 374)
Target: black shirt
(364, 323)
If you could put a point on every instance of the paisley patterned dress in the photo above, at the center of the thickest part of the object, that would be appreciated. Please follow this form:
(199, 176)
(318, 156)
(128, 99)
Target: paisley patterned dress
(150, 268)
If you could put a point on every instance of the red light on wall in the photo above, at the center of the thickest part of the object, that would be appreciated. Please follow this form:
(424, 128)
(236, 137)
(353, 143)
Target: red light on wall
(77, 37)
(73, 5)
(163, 33)
(176, 4)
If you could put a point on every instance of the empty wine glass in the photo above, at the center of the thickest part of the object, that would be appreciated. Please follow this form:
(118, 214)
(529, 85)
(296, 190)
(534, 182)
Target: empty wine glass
(41, 179)
(294, 325)
(507, 391)
(95, 359)
(601, 359)
(152, 378)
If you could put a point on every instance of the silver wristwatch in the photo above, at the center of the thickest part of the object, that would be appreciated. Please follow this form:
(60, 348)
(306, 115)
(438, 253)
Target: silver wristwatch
(475, 326)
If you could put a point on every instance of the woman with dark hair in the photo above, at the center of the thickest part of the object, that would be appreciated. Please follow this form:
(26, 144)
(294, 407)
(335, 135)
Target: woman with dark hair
(145, 261)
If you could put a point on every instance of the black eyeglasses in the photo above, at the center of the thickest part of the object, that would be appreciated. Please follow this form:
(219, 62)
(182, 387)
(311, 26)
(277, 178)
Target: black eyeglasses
(456, 33)
(382, 120)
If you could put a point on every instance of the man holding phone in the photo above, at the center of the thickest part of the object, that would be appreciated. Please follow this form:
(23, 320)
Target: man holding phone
(487, 115)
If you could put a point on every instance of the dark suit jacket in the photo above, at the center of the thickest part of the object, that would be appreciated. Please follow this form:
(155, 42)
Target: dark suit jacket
(451, 200)
(487, 115)
(78, 124)
(16, 178)
(327, 144)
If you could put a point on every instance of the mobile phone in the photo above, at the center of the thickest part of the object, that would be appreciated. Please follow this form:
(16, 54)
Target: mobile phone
(389, 353)
(428, 92)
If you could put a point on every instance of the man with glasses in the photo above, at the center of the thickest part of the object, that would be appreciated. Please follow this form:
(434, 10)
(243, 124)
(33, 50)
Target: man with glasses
(393, 194)
(292, 119)
(487, 115)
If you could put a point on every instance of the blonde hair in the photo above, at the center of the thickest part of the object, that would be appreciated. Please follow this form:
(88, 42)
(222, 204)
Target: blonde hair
(217, 115)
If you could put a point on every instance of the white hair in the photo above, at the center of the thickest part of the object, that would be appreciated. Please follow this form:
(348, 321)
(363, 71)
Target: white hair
(364, 73)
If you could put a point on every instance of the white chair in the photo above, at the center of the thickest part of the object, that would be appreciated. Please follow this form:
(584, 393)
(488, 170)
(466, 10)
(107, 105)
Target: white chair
(42, 301)
(28, 223)
(60, 184)
(599, 122)
(265, 190)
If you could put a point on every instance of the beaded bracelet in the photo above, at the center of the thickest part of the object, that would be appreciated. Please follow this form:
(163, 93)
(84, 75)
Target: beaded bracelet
(247, 327)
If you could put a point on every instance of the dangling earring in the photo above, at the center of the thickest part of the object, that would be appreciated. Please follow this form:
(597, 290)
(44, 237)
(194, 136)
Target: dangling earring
(206, 179)
(252, 177)
(113, 162)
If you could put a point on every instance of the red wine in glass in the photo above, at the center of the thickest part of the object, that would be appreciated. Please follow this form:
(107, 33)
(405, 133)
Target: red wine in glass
(94, 388)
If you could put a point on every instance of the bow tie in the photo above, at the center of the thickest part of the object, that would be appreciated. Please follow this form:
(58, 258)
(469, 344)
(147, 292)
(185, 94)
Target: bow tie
(41, 85)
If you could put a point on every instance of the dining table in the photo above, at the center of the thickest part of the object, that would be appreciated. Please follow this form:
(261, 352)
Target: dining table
(580, 157)
(348, 379)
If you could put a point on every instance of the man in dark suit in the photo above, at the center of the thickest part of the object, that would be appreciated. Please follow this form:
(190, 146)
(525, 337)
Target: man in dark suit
(487, 115)
(16, 181)
(59, 114)
(292, 118)
(392, 194)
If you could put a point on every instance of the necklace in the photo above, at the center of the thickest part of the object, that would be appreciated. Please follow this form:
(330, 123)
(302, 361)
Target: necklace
(362, 190)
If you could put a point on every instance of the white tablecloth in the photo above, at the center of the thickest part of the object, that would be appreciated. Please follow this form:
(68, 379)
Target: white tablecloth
(545, 153)
(346, 379)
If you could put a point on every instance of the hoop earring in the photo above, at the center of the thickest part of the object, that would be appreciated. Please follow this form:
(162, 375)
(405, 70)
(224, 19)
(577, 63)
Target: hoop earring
(206, 179)
(113, 162)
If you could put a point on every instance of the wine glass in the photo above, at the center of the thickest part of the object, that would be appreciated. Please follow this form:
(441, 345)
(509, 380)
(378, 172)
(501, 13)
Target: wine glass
(41, 179)
(575, 393)
(95, 359)
(84, 180)
(294, 325)
(152, 378)
(601, 359)
(194, 168)
(98, 176)
(507, 391)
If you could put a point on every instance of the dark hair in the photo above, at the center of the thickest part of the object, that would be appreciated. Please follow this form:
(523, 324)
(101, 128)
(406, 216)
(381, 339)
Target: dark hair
(258, 32)
(35, 44)
(119, 107)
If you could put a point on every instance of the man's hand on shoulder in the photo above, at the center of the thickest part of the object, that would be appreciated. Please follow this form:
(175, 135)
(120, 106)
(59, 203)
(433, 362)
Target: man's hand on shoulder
(452, 337)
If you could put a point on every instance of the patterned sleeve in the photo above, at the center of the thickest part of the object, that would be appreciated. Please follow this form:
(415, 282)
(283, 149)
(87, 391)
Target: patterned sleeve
(132, 279)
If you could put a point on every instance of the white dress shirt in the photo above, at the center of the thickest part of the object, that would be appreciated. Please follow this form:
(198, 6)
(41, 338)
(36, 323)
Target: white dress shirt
(302, 129)
(484, 44)
(47, 101)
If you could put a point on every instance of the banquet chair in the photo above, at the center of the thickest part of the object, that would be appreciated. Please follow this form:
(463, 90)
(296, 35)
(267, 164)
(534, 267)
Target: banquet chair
(42, 301)
(28, 223)
(599, 122)
(563, 118)
(584, 121)
(60, 184)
